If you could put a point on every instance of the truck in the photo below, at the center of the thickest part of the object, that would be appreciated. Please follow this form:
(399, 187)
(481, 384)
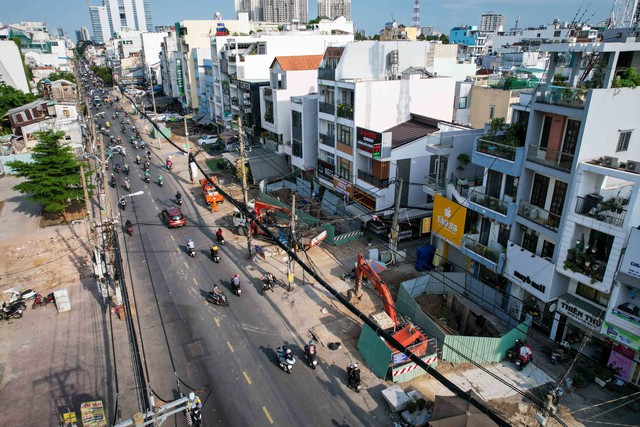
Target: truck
(277, 220)
(209, 191)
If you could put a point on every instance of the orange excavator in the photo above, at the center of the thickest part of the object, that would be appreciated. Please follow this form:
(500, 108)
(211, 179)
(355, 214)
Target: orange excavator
(407, 334)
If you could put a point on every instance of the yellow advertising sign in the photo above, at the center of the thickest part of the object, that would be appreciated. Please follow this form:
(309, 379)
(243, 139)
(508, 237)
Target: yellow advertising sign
(448, 220)
(426, 226)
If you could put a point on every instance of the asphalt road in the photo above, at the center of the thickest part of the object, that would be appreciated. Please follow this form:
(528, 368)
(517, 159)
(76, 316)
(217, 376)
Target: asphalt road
(229, 351)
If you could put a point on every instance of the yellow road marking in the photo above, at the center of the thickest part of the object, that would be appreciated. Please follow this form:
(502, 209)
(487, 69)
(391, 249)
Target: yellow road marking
(264, 408)
(246, 377)
(230, 347)
(215, 319)
(172, 238)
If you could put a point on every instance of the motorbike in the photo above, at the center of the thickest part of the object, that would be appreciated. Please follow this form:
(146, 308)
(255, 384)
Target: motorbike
(196, 416)
(137, 160)
(129, 227)
(146, 165)
(127, 185)
(215, 256)
(147, 179)
(220, 240)
(192, 251)
(310, 355)
(217, 299)
(525, 355)
(561, 354)
(40, 300)
(123, 204)
(12, 312)
(235, 286)
(117, 168)
(113, 181)
(285, 359)
(179, 201)
(169, 165)
(160, 181)
(126, 169)
(268, 283)
(354, 378)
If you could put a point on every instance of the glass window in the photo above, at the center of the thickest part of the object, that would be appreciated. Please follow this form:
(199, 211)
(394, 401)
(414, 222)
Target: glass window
(547, 249)
(530, 241)
(546, 130)
(571, 137)
(462, 104)
(344, 168)
(623, 140)
(539, 190)
(592, 294)
(492, 111)
(296, 119)
(345, 135)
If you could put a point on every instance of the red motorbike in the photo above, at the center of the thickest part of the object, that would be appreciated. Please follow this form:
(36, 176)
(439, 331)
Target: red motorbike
(40, 300)
(524, 356)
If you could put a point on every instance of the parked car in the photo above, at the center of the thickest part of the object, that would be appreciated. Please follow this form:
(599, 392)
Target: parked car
(173, 217)
(208, 139)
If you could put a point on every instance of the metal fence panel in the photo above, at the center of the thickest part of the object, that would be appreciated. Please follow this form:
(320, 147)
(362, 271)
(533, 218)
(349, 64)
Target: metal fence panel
(375, 352)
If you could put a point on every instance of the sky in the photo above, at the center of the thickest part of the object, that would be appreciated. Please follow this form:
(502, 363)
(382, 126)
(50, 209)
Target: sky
(369, 15)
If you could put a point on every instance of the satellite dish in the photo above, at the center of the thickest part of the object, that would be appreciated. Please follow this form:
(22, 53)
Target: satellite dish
(395, 24)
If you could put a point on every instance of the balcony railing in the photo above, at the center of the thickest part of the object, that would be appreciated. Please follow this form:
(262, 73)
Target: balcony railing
(539, 215)
(327, 108)
(439, 141)
(327, 73)
(434, 183)
(480, 249)
(550, 157)
(507, 152)
(345, 111)
(563, 96)
(328, 140)
(370, 179)
(604, 212)
(462, 186)
(490, 202)
(268, 91)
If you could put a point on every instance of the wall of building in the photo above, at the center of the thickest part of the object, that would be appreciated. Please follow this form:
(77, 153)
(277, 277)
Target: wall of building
(483, 98)
(11, 69)
(151, 43)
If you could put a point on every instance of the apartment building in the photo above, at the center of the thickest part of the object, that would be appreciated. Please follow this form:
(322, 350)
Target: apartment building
(151, 49)
(334, 8)
(553, 208)
(490, 21)
(169, 61)
(11, 67)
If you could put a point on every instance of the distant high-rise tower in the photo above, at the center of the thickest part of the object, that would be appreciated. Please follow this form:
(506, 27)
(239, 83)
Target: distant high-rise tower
(334, 8)
(99, 24)
(252, 7)
(82, 34)
(284, 11)
(490, 22)
(415, 19)
(131, 14)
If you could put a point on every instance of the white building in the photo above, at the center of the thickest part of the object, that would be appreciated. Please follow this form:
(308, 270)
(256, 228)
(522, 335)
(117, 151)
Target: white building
(334, 9)
(253, 8)
(491, 22)
(510, 41)
(99, 24)
(151, 49)
(39, 48)
(168, 62)
(127, 42)
(11, 68)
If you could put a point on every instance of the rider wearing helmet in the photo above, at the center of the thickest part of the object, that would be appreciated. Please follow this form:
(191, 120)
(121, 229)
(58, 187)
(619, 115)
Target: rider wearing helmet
(236, 280)
(214, 251)
(190, 244)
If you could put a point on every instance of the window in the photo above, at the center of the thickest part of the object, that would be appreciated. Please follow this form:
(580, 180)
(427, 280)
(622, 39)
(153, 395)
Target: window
(296, 119)
(556, 34)
(571, 137)
(344, 169)
(539, 190)
(623, 140)
(462, 104)
(345, 135)
(492, 111)
(558, 198)
(503, 234)
(546, 130)
(592, 294)
(547, 249)
(530, 241)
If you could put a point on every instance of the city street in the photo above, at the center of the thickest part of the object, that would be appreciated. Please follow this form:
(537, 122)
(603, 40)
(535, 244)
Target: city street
(229, 351)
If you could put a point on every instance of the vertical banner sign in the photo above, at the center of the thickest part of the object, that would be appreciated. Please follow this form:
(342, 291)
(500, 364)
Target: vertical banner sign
(179, 77)
(376, 150)
(448, 220)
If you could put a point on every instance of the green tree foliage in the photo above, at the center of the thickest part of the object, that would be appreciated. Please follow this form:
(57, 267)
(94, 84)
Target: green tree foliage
(105, 73)
(628, 78)
(82, 46)
(53, 178)
(62, 75)
(11, 97)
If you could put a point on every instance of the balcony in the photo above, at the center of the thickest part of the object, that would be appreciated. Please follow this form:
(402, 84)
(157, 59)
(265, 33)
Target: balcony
(550, 157)
(234, 102)
(498, 156)
(561, 96)
(327, 73)
(328, 140)
(490, 258)
(433, 184)
(268, 117)
(327, 108)
(586, 264)
(345, 111)
(438, 144)
(538, 215)
(268, 92)
(492, 208)
(607, 212)
(370, 179)
(463, 186)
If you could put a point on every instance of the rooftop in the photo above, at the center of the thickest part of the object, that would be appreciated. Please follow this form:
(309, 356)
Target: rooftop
(410, 131)
(33, 104)
(299, 62)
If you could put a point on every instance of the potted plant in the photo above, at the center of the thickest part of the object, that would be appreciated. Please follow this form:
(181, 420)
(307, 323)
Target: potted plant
(369, 240)
(464, 160)
(579, 380)
(603, 377)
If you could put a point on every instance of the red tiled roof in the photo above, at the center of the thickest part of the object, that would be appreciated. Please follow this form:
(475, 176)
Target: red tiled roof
(298, 63)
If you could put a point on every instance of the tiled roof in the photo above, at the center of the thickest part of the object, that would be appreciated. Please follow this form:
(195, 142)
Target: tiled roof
(410, 131)
(299, 63)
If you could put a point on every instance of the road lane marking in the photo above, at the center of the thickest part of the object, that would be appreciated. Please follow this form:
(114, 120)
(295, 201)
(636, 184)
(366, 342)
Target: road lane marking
(215, 319)
(264, 408)
(186, 265)
(195, 281)
(230, 347)
(172, 238)
(246, 377)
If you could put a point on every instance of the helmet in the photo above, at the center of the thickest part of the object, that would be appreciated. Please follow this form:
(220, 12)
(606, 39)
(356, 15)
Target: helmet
(214, 247)
(355, 365)
(199, 406)
(192, 396)
(190, 240)
(288, 351)
(310, 342)
(235, 276)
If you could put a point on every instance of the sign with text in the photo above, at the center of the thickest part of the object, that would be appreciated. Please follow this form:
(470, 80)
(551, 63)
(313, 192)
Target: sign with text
(448, 220)
(531, 272)
(578, 314)
(426, 226)
(342, 186)
(631, 261)
(622, 336)
(369, 141)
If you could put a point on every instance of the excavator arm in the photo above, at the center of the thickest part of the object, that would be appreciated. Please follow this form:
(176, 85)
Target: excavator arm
(363, 269)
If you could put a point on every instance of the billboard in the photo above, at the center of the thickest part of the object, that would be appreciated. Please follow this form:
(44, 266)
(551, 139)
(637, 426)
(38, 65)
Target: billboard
(448, 220)
(631, 261)
(369, 141)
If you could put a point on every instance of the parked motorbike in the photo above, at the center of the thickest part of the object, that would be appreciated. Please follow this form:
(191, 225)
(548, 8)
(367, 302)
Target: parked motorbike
(512, 353)
(217, 299)
(353, 372)
(285, 359)
(40, 300)
(562, 353)
(268, 283)
(235, 285)
(15, 312)
(525, 355)
(310, 354)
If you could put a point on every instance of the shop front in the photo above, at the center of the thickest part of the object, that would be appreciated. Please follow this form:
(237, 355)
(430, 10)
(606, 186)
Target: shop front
(576, 320)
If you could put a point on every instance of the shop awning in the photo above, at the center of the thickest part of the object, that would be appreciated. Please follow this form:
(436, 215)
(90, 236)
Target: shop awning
(266, 164)
(361, 213)
(580, 311)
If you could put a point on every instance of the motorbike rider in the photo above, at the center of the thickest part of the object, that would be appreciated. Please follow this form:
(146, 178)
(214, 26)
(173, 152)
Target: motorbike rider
(148, 154)
(160, 179)
(169, 163)
(191, 245)
(127, 185)
(178, 196)
(126, 168)
(310, 348)
(123, 203)
(147, 176)
(113, 180)
(128, 224)
(235, 281)
(138, 158)
(354, 374)
(219, 236)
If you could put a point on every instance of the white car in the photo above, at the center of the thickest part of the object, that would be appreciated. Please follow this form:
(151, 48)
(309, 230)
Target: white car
(208, 139)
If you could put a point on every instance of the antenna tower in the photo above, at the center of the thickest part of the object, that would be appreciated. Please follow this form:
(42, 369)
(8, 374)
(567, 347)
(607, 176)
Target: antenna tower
(415, 19)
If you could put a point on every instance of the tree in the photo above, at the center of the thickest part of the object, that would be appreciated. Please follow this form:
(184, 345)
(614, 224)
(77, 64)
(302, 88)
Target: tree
(11, 97)
(105, 73)
(62, 75)
(628, 78)
(53, 178)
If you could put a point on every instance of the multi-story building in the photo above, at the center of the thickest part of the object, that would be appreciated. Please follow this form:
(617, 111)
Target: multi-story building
(82, 34)
(151, 49)
(11, 67)
(202, 62)
(127, 42)
(285, 11)
(334, 9)
(132, 14)
(491, 22)
(37, 45)
(554, 207)
(168, 65)
(99, 24)
(471, 41)
(394, 31)
(516, 38)
(251, 7)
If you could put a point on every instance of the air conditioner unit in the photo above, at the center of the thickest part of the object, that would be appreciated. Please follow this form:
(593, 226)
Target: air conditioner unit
(610, 162)
(632, 166)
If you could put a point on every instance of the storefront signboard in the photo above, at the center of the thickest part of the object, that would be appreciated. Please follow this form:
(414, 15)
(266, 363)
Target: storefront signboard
(622, 336)
(631, 261)
(448, 220)
(342, 186)
(622, 359)
(529, 271)
(580, 315)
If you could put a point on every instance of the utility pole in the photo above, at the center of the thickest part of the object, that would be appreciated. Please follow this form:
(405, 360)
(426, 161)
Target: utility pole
(103, 175)
(292, 243)
(186, 129)
(393, 236)
(87, 203)
(245, 191)
(155, 114)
